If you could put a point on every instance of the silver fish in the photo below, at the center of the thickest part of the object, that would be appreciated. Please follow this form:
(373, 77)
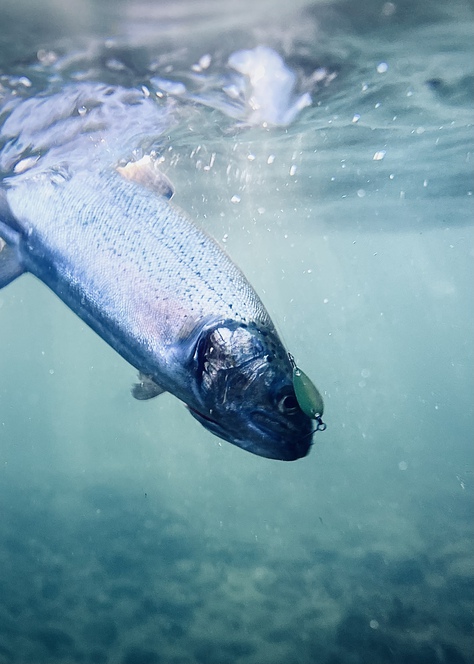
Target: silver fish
(103, 235)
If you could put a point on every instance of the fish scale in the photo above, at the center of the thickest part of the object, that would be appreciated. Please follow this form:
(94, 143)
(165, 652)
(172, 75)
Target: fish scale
(161, 251)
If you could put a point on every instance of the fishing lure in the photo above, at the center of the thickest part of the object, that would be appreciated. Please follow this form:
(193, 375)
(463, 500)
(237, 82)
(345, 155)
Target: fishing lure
(308, 396)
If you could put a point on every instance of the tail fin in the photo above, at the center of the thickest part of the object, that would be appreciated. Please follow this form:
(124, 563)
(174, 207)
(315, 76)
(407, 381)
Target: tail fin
(10, 261)
(10, 264)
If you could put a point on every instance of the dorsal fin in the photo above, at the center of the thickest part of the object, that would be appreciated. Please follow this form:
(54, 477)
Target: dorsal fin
(145, 172)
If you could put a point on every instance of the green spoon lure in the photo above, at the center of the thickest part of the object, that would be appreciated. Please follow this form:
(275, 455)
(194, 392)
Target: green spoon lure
(308, 396)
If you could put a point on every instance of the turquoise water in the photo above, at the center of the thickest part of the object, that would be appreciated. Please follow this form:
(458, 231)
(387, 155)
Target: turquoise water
(131, 535)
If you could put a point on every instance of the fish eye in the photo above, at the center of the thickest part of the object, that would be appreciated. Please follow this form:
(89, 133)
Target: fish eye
(288, 404)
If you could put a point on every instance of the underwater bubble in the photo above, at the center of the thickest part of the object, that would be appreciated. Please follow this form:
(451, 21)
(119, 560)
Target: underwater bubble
(46, 58)
(389, 9)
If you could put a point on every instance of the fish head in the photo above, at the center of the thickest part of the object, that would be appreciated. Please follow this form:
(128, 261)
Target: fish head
(244, 392)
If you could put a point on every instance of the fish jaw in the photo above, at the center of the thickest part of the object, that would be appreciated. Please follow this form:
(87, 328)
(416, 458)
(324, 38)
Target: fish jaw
(258, 441)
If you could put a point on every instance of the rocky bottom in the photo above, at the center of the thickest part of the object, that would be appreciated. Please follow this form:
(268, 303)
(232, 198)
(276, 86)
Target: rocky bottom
(99, 575)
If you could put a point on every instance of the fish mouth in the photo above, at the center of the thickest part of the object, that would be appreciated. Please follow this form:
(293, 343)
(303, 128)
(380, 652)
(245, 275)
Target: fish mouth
(295, 445)
(208, 423)
(262, 441)
(200, 416)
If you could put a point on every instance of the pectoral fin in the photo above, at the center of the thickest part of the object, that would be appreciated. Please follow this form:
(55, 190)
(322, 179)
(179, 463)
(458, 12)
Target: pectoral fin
(146, 388)
(145, 172)
(10, 264)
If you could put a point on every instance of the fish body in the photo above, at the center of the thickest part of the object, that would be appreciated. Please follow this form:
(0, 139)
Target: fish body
(135, 268)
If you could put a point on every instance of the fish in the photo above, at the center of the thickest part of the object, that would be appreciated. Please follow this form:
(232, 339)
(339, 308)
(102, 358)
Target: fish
(85, 208)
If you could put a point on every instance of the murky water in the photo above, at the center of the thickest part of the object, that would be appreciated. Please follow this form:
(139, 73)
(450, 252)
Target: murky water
(128, 533)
